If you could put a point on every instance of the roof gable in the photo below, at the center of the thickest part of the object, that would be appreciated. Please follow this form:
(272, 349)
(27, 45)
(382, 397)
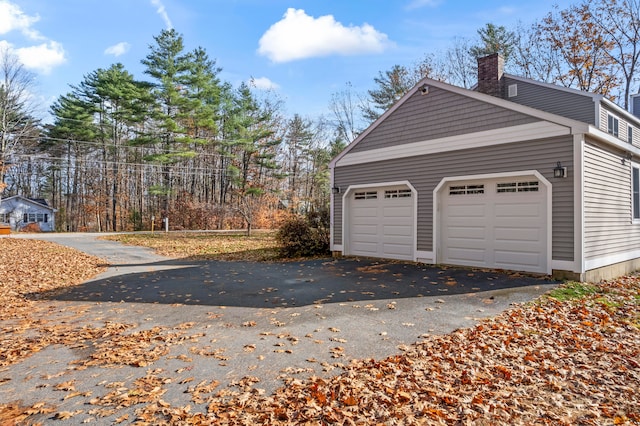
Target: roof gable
(437, 87)
(36, 202)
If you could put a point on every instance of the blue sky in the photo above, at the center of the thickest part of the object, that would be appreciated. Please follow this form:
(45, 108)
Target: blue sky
(304, 50)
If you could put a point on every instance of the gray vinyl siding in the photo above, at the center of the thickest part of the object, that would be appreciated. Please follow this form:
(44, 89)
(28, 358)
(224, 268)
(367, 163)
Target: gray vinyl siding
(424, 117)
(623, 126)
(576, 106)
(608, 226)
(426, 171)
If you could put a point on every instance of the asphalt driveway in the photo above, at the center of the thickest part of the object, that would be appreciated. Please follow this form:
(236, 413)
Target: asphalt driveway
(267, 321)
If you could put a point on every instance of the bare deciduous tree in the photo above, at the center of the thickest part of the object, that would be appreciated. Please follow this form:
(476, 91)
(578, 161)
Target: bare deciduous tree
(17, 125)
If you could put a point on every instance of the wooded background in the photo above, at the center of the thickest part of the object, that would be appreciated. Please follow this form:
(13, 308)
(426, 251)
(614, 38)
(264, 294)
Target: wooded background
(180, 143)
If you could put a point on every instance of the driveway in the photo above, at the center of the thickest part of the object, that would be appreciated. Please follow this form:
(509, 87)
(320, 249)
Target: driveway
(266, 321)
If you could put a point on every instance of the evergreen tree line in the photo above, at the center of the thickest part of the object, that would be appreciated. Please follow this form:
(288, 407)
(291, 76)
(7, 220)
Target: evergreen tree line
(122, 153)
(184, 145)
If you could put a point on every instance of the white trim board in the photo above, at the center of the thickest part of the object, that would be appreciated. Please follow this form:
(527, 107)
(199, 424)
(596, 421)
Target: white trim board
(599, 262)
(524, 132)
(424, 256)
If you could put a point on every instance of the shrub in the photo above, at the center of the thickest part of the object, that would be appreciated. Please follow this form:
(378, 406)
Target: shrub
(305, 235)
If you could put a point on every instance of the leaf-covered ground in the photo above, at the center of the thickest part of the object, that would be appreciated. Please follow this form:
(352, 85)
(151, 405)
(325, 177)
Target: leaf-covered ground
(573, 358)
(260, 246)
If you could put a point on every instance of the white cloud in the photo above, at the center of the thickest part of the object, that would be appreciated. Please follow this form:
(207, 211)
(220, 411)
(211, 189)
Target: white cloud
(13, 18)
(163, 13)
(298, 36)
(417, 4)
(42, 58)
(118, 49)
(263, 83)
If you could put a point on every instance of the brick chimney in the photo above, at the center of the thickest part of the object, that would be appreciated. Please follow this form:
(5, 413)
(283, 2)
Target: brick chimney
(490, 71)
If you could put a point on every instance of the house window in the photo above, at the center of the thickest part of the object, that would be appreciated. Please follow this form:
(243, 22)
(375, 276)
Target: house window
(635, 184)
(35, 217)
(4, 217)
(612, 125)
(630, 134)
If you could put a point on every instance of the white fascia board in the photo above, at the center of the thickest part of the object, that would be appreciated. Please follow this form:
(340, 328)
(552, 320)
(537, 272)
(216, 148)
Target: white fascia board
(613, 107)
(599, 262)
(614, 141)
(524, 132)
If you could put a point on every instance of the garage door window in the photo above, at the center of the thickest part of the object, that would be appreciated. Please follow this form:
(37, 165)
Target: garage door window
(466, 189)
(505, 187)
(366, 195)
(397, 193)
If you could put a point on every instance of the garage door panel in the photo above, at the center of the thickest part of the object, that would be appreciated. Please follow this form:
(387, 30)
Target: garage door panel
(398, 230)
(365, 229)
(396, 240)
(365, 248)
(467, 210)
(518, 234)
(466, 255)
(382, 226)
(517, 260)
(363, 211)
(519, 210)
(470, 232)
(502, 229)
(397, 213)
(397, 249)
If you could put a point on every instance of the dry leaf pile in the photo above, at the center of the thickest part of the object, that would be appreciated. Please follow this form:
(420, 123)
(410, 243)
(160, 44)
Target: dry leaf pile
(552, 362)
(548, 363)
(28, 267)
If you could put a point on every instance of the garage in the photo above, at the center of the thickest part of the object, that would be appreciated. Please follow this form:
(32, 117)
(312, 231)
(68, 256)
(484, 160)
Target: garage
(381, 222)
(495, 223)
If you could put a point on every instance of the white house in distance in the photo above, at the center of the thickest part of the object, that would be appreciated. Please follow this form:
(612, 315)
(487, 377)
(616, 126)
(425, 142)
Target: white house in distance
(19, 211)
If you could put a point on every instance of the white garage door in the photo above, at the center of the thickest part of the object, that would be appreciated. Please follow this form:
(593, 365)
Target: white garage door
(495, 224)
(381, 222)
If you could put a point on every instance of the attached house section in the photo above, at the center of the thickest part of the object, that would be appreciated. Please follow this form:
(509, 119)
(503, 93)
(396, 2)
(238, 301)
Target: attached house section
(487, 206)
(515, 174)
(611, 211)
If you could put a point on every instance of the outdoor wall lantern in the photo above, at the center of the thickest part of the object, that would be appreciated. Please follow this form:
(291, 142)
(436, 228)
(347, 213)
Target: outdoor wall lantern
(559, 171)
(335, 189)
